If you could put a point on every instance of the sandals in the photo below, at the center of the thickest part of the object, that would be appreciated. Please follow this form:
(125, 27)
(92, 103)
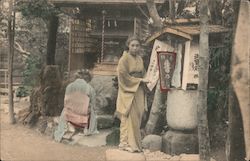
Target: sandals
(128, 148)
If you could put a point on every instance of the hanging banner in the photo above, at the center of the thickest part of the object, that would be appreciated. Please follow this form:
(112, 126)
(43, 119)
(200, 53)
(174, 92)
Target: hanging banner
(190, 78)
(166, 62)
(177, 75)
(153, 69)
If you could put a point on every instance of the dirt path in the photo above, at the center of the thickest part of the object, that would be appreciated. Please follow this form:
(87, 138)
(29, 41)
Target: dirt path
(23, 144)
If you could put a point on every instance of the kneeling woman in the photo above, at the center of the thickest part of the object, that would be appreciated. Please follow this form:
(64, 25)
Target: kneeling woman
(78, 112)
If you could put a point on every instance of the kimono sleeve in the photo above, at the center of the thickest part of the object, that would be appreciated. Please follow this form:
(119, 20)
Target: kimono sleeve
(126, 82)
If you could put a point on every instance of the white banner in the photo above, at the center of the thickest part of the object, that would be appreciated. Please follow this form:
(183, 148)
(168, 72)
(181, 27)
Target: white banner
(153, 69)
(190, 69)
(176, 79)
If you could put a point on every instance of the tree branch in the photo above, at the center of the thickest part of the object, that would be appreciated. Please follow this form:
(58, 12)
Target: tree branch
(19, 48)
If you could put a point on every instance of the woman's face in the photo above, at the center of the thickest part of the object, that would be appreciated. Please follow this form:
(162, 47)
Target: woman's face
(134, 47)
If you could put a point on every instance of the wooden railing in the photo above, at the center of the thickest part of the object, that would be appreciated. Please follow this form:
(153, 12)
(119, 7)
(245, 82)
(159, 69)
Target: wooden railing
(5, 73)
(4, 85)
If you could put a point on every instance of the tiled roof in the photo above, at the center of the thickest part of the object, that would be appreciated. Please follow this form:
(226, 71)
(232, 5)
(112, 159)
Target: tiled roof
(104, 1)
(186, 31)
(195, 29)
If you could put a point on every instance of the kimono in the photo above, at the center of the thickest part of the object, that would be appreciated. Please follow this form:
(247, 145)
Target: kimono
(79, 99)
(131, 100)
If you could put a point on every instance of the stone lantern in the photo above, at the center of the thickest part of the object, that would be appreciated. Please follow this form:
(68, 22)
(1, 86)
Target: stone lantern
(182, 122)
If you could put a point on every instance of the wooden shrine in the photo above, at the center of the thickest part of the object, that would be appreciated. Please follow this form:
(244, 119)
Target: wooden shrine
(99, 32)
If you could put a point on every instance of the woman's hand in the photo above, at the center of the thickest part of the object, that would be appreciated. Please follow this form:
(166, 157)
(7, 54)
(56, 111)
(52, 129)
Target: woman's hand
(145, 80)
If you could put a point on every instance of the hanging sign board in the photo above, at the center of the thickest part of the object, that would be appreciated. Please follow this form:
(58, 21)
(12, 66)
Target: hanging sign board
(166, 63)
(153, 69)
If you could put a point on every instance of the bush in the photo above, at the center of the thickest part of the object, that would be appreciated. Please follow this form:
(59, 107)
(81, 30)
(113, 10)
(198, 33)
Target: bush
(23, 91)
(32, 70)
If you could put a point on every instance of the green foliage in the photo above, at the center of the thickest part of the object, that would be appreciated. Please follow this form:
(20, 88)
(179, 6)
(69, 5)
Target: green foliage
(32, 70)
(38, 9)
(218, 93)
(215, 96)
(220, 67)
(219, 74)
(23, 91)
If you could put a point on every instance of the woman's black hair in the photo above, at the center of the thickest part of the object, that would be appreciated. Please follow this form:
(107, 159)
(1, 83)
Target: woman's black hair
(131, 38)
(83, 74)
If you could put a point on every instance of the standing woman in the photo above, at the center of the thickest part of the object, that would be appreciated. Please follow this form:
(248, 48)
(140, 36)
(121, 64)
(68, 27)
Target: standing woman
(131, 100)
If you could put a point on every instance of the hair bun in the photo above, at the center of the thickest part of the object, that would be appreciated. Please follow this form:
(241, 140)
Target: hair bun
(131, 38)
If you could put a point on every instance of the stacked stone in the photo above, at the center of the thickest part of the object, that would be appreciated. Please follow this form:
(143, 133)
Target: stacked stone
(182, 122)
(105, 100)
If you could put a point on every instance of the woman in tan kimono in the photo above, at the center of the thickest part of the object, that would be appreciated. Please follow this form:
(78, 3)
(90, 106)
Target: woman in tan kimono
(131, 100)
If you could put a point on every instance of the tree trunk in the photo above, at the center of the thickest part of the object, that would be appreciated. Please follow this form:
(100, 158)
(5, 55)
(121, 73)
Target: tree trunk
(181, 6)
(240, 76)
(203, 133)
(158, 109)
(235, 137)
(51, 43)
(215, 7)
(157, 23)
(11, 34)
(46, 101)
(50, 86)
(172, 13)
(154, 115)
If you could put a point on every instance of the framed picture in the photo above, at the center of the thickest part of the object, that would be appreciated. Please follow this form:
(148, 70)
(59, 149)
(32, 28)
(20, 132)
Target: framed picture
(166, 63)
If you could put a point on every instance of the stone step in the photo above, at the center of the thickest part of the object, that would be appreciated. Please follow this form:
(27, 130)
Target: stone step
(120, 155)
(105, 121)
(95, 140)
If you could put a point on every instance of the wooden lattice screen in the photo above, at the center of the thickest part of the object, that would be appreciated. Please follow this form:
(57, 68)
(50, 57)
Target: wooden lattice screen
(80, 42)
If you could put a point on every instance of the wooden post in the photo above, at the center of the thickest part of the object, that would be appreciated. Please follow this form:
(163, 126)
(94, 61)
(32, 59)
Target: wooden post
(203, 133)
(11, 34)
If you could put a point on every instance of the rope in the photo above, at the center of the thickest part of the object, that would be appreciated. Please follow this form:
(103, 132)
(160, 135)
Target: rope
(103, 30)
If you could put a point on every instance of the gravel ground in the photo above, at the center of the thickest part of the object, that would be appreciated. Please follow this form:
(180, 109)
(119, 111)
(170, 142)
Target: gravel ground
(19, 143)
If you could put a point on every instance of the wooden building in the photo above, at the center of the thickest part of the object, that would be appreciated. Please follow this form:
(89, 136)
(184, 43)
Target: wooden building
(99, 30)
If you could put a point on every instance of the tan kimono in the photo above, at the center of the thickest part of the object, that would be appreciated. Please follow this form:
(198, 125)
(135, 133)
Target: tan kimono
(131, 100)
